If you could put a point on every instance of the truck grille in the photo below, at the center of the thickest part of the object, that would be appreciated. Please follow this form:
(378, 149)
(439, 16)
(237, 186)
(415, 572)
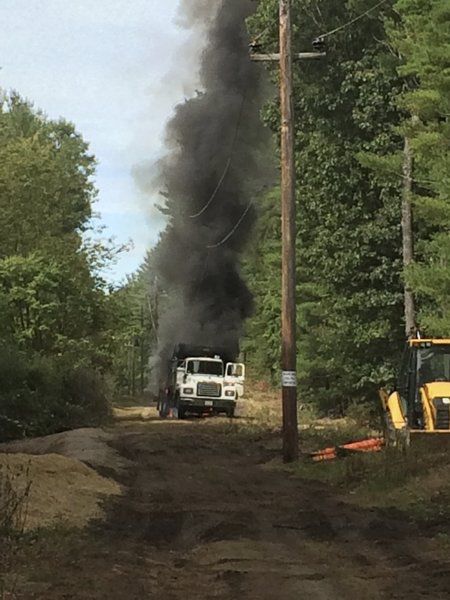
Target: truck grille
(211, 390)
(442, 414)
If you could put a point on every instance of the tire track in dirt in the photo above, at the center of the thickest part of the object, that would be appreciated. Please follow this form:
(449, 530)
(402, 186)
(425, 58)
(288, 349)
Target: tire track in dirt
(203, 497)
(204, 517)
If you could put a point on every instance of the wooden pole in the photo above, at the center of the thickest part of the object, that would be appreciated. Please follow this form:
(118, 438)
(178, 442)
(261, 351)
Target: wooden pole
(407, 235)
(288, 227)
(288, 210)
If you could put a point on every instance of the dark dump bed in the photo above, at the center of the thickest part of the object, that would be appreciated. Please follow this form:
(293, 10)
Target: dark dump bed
(183, 351)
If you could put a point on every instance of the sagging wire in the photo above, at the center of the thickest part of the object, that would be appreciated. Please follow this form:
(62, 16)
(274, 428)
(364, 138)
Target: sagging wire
(214, 194)
(254, 43)
(235, 228)
(424, 182)
(228, 164)
(354, 20)
(255, 40)
(321, 38)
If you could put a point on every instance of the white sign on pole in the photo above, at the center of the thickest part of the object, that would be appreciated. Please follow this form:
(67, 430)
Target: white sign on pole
(289, 379)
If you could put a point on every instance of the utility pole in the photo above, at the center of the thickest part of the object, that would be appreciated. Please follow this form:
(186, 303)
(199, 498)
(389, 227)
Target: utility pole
(288, 225)
(288, 234)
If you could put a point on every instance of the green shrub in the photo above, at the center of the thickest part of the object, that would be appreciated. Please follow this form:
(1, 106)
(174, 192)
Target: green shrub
(40, 395)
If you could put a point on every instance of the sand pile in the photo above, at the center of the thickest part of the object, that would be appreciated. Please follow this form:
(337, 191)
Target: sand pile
(63, 490)
(89, 445)
(134, 413)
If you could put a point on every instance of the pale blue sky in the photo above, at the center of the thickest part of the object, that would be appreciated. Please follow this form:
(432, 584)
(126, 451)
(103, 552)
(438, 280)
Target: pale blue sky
(116, 69)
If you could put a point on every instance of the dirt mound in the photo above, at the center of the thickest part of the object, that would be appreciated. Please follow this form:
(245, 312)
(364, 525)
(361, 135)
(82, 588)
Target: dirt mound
(63, 490)
(88, 445)
(134, 413)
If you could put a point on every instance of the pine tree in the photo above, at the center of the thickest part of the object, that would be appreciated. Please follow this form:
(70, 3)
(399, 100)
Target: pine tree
(422, 38)
(350, 299)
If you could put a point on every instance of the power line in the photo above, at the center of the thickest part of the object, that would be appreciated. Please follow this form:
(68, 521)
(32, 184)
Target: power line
(354, 20)
(227, 166)
(329, 33)
(423, 182)
(214, 194)
(256, 38)
(235, 228)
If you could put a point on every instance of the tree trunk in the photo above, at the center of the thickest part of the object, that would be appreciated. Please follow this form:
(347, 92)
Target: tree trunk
(407, 236)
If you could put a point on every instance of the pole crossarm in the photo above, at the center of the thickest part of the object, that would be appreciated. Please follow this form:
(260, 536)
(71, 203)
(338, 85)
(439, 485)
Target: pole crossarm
(276, 57)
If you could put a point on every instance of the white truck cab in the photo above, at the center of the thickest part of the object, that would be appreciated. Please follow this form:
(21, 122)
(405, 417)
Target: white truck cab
(201, 385)
(203, 382)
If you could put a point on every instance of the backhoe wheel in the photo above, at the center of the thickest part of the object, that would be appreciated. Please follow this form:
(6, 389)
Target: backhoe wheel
(230, 413)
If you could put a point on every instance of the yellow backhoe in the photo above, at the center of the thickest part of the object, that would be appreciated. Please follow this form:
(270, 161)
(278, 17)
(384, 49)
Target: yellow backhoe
(419, 405)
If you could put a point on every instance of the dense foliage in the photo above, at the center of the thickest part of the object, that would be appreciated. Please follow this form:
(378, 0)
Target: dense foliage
(352, 105)
(135, 307)
(54, 313)
(67, 341)
(422, 40)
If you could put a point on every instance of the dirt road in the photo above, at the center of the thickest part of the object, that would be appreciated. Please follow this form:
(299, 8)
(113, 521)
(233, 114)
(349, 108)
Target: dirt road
(208, 516)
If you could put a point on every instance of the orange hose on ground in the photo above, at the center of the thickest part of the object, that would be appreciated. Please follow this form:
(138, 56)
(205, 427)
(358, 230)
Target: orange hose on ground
(318, 457)
(326, 451)
(325, 454)
(370, 445)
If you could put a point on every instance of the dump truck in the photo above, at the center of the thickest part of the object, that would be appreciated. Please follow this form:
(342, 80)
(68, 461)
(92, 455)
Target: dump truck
(200, 380)
(419, 404)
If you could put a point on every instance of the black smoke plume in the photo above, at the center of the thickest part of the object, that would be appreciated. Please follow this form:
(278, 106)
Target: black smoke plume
(208, 179)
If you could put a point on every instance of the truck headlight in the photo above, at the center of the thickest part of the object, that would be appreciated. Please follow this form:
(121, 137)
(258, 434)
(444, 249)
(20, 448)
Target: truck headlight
(188, 391)
(230, 393)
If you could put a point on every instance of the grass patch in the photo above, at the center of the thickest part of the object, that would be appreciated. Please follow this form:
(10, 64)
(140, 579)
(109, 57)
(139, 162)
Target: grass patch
(415, 481)
(14, 493)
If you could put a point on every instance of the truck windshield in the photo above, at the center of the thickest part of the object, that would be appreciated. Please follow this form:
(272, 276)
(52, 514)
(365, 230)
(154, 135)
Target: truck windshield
(205, 367)
(433, 364)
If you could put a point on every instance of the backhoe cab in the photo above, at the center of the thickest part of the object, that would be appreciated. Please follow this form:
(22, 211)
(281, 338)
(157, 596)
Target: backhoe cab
(420, 403)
